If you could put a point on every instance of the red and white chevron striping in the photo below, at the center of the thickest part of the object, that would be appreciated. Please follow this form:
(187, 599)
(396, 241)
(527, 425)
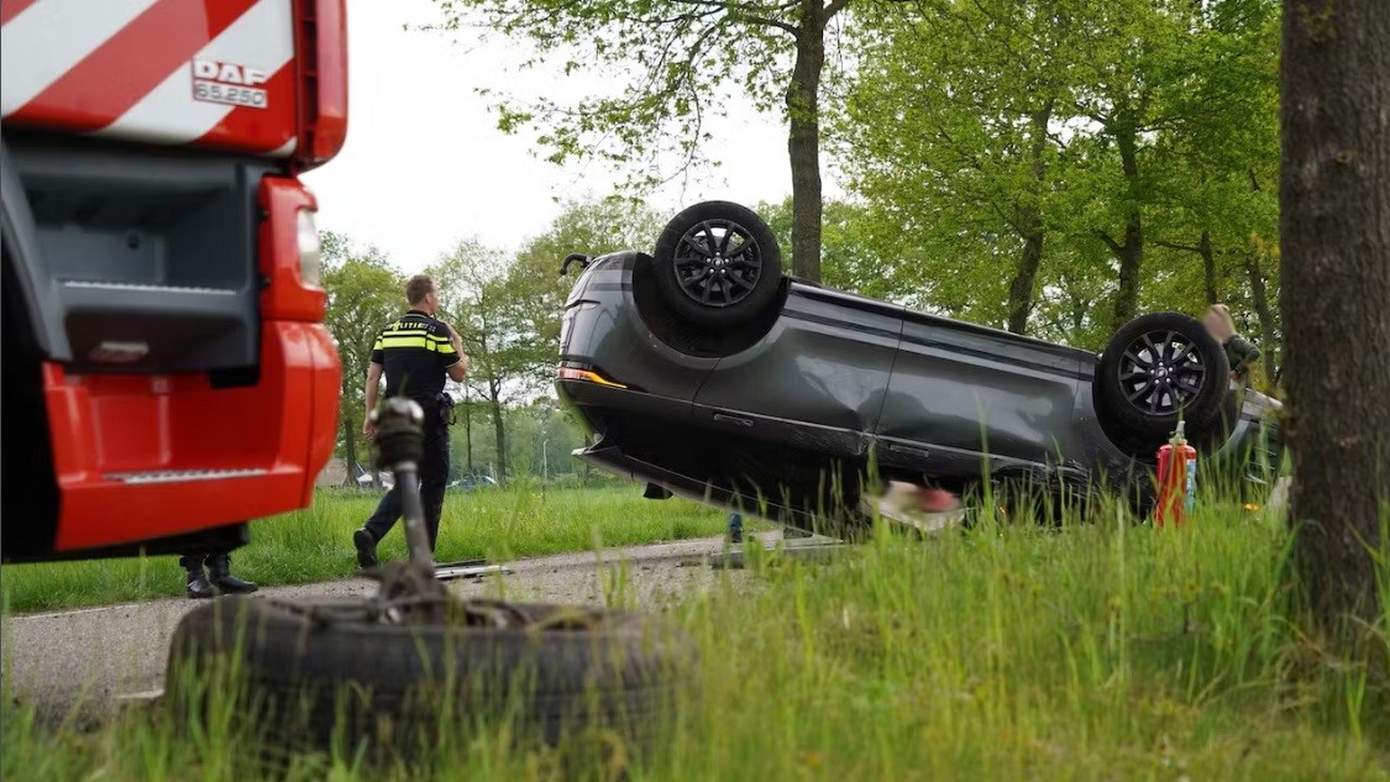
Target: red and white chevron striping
(210, 73)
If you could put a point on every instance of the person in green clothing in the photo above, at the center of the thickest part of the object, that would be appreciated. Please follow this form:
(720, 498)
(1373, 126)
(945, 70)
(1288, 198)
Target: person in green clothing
(1239, 351)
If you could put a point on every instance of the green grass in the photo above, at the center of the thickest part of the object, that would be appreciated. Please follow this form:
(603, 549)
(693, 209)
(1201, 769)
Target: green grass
(314, 544)
(1105, 650)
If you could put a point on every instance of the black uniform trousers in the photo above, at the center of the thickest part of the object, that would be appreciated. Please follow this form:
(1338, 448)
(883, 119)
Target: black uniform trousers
(434, 473)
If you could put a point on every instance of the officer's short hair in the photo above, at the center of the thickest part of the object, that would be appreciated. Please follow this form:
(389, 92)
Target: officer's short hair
(418, 287)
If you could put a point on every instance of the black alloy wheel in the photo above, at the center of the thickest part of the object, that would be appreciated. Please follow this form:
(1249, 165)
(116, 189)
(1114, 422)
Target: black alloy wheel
(1161, 372)
(718, 263)
(1159, 369)
(717, 267)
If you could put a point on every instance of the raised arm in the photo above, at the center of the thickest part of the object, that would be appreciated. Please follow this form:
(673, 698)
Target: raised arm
(458, 370)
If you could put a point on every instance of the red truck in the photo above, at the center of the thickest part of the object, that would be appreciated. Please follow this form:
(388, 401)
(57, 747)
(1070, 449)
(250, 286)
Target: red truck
(167, 374)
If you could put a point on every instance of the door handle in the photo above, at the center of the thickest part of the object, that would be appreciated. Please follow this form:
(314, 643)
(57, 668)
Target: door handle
(725, 418)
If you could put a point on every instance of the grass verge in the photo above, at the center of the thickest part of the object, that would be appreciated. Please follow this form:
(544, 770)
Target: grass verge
(314, 544)
(1103, 650)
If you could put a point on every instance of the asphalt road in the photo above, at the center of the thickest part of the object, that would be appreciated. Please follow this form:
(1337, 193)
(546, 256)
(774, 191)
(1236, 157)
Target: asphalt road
(93, 659)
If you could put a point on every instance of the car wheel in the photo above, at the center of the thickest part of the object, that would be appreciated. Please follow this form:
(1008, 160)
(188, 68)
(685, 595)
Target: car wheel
(313, 668)
(1159, 368)
(717, 265)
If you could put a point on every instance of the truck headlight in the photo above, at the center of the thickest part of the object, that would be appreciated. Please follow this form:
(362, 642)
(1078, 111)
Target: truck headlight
(310, 259)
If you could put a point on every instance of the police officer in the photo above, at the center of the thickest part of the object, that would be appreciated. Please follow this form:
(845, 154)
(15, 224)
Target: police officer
(416, 352)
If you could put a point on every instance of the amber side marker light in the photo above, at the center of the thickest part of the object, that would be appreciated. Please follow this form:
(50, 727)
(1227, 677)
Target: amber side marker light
(587, 375)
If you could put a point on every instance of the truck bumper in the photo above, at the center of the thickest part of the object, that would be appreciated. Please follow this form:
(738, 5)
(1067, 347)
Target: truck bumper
(140, 456)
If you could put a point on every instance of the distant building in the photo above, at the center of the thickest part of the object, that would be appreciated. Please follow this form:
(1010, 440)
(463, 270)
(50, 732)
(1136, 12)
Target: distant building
(333, 474)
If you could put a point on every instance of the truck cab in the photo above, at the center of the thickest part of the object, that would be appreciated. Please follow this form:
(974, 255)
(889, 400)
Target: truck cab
(167, 373)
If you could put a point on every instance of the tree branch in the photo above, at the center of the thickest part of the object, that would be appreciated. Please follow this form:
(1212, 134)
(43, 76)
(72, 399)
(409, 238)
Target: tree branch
(749, 12)
(766, 22)
(1191, 248)
(1109, 242)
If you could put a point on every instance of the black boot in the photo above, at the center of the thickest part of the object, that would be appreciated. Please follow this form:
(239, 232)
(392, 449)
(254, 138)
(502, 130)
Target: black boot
(220, 574)
(199, 588)
(365, 544)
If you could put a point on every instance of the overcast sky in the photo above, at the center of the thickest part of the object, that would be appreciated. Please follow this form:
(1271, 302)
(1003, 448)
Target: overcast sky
(425, 165)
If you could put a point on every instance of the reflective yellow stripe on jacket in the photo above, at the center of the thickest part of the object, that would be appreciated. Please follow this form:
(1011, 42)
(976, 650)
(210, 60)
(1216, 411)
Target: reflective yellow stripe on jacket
(413, 338)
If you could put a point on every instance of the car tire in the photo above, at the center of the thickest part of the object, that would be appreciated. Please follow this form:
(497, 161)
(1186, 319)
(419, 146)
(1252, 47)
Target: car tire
(717, 265)
(1159, 368)
(315, 668)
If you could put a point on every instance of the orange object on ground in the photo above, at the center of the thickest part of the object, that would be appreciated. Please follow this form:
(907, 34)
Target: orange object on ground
(1177, 480)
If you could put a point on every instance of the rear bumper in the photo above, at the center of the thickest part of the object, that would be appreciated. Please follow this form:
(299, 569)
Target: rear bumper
(141, 457)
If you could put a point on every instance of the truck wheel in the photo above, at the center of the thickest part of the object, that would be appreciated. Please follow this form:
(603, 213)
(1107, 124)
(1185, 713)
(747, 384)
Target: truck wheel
(313, 668)
(717, 265)
(1159, 368)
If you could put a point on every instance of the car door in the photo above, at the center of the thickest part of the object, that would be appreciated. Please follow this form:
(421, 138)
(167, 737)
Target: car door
(816, 381)
(959, 391)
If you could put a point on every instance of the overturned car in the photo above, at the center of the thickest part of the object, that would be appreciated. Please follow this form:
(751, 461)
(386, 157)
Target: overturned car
(704, 371)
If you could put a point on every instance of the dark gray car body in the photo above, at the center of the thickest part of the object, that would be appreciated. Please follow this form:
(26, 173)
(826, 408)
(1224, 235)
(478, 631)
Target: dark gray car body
(838, 382)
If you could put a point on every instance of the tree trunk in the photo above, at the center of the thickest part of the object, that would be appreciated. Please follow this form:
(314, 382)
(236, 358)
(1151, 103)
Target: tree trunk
(1131, 258)
(1080, 308)
(350, 449)
(468, 429)
(1259, 296)
(495, 397)
(1208, 266)
(1131, 253)
(1334, 228)
(1204, 250)
(1030, 226)
(1021, 289)
(803, 141)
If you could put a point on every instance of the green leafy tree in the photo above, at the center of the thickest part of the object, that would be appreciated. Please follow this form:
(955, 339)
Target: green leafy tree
(1218, 186)
(850, 256)
(1158, 76)
(673, 65)
(1077, 282)
(364, 294)
(538, 290)
(507, 308)
(1017, 161)
(950, 138)
(546, 436)
(471, 279)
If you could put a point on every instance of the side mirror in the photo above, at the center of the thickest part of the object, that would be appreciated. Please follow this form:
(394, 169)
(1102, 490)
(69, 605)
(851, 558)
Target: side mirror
(579, 258)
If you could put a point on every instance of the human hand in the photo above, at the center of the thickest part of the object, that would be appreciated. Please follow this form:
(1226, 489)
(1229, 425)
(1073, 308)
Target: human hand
(368, 427)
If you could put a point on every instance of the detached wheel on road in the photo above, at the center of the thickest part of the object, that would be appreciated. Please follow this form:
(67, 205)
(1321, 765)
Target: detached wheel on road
(311, 668)
(1158, 368)
(717, 265)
